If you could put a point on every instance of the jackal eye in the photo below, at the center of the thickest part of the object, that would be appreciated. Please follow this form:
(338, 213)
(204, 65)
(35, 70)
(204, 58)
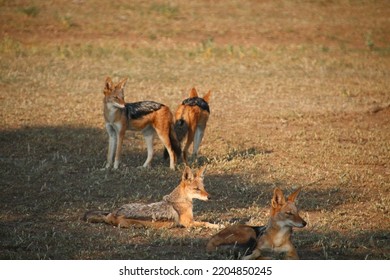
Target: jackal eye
(289, 213)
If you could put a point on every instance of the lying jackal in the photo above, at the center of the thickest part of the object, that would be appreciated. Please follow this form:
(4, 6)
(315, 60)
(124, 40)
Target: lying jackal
(273, 238)
(174, 210)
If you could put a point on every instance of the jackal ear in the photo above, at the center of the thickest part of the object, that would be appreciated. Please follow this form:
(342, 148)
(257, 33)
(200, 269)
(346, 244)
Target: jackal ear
(193, 93)
(108, 85)
(187, 174)
(121, 84)
(294, 195)
(278, 198)
(207, 97)
(201, 172)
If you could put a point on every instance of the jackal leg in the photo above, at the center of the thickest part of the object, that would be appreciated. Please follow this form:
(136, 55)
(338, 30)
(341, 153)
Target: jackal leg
(164, 137)
(255, 254)
(120, 134)
(112, 143)
(190, 139)
(292, 254)
(199, 132)
(203, 224)
(148, 135)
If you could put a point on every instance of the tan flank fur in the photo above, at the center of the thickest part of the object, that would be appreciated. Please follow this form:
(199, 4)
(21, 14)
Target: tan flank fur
(191, 121)
(174, 210)
(276, 235)
(146, 116)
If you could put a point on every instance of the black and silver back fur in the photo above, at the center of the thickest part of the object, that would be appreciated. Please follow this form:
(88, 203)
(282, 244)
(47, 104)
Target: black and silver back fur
(137, 110)
(197, 101)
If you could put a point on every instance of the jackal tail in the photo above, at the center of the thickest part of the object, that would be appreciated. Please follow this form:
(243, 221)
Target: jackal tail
(181, 129)
(175, 142)
(176, 135)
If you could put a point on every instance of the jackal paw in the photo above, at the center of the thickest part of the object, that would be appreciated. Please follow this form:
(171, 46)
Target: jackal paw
(173, 168)
(214, 226)
(249, 257)
(146, 165)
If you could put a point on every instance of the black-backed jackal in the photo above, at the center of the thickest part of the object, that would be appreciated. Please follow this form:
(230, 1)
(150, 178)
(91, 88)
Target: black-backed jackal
(147, 116)
(272, 238)
(190, 121)
(174, 210)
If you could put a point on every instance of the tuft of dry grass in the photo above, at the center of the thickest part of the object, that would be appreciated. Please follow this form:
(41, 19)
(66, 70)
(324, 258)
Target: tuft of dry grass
(300, 97)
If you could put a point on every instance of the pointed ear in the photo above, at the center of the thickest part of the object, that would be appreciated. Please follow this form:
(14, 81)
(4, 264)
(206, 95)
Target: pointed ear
(193, 93)
(108, 85)
(294, 195)
(121, 84)
(201, 172)
(207, 97)
(187, 174)
(278, 198)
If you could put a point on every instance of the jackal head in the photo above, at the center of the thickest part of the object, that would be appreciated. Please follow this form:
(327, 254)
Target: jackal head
(114, 94)
(192, 184)
(285, 212)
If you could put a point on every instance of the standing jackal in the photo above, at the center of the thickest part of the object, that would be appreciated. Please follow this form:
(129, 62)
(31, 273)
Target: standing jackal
(273, 238)
(174, 210)
(146, 116)
(190, 121)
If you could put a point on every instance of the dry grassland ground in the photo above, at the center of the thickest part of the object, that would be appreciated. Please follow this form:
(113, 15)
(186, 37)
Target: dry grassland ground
(300, 98)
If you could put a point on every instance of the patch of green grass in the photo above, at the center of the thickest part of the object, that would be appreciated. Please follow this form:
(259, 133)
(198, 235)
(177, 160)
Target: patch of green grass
(167, 10)
(11, 47)
(31, 11)
(66, 20)
(369, 41)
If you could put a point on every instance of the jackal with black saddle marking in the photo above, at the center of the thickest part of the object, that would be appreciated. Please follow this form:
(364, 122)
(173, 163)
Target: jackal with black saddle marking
(147, 116)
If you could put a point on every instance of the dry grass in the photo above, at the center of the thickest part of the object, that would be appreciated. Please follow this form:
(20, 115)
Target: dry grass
(300, 98)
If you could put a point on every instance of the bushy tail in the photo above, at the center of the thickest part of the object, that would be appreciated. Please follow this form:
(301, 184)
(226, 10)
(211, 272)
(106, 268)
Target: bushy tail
(176, 135)
(181, 129)
(175, 142)
(96, 216)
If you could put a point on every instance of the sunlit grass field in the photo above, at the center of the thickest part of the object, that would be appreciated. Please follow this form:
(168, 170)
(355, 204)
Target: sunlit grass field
(300, 98)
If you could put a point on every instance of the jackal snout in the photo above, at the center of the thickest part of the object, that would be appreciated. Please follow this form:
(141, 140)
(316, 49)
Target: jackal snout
(201, 194)
(298, 222)
(207, 195)
(303, 223)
